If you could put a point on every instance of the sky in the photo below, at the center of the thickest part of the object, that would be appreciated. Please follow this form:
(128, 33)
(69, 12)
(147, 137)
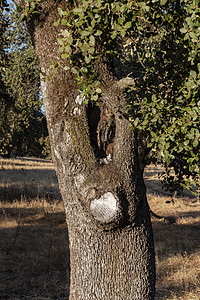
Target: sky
(9, 2)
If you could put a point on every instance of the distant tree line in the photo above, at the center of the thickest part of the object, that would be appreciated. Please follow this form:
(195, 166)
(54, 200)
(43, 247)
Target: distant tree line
(23, 128)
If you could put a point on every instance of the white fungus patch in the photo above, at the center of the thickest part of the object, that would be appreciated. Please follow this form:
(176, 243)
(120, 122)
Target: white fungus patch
(104, 209)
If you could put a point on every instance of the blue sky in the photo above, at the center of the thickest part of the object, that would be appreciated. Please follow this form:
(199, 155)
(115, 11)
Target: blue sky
(9, 2)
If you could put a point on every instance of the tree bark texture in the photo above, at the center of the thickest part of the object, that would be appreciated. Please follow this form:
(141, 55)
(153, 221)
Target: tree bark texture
(98, 164)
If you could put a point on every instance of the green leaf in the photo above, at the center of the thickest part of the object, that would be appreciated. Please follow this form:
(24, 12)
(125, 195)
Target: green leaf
(98, 90)
(65, 55)
(98, 3)
(94, 97)
(128, 25)
(33, 5)
(163, 2)
(88, 59)
(84, 70)
(186, 142)
(136, 121)
(60, 11)
(70, 40)
(183, 30)
(93, 22)
(56, 23)
(74, 70)
(61, 41)
(65, 33)
(64, 22)
(84, 33)
(113, 35)
(77, 10)
(195, 143)
(193, 74)
(154, 111)
(60, 50)
(98, 33)
(120, 21)
(68, 49)
(92, 40)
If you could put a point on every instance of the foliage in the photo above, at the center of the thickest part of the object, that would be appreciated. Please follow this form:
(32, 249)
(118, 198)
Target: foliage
(5, 100)
(45, 143)
(168, 105)
(22, 121)
(156, 42)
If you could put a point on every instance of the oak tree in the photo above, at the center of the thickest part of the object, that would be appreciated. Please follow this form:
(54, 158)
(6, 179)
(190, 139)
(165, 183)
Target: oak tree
(120, 82)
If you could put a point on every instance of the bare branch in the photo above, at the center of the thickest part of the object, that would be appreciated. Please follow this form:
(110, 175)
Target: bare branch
(125, 82)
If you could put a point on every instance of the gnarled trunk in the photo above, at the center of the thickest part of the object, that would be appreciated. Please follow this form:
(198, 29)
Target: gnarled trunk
(100, 178)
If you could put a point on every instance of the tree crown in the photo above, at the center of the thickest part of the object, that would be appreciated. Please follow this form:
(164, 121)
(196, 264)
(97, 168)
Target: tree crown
(156, 44)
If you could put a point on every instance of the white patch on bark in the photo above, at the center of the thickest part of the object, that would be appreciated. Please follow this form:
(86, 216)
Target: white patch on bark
(77, 111)
(79, 180)
(43, 85)
(43, 82)
(80, 99)
(106, 160)
(57, 154)
(104, 209)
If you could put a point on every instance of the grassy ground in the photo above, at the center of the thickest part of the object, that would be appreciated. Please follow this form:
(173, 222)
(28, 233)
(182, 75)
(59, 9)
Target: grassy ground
(34, 253)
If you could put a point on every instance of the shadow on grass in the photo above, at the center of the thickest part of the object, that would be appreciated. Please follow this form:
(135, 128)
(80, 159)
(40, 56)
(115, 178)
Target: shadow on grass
(177, 248)
(34, 255)
(154, 187)
(176, 238)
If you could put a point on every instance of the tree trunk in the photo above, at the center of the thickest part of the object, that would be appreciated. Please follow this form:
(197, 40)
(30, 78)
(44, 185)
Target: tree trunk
(100, 175)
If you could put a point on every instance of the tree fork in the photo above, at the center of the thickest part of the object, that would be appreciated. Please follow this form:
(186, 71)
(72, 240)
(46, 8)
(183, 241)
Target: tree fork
(110, 234)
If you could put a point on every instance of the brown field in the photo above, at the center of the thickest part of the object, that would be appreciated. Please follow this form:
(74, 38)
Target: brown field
(34, 253)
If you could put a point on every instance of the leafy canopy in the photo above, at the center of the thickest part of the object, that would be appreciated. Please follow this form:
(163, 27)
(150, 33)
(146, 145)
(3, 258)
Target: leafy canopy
(156, 42)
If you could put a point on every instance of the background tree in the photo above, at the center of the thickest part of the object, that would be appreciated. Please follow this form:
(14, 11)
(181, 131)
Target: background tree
(23, 124)
(5, 99)
(140, 61)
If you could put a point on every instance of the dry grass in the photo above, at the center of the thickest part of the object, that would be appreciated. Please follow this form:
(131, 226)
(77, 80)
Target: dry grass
(27, 177)
(177, 248)
(34, 254)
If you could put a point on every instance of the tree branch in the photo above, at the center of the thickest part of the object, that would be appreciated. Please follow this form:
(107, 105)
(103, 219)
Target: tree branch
(125, 82)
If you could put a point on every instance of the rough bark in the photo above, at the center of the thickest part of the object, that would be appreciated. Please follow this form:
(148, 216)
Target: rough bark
(100, 178)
